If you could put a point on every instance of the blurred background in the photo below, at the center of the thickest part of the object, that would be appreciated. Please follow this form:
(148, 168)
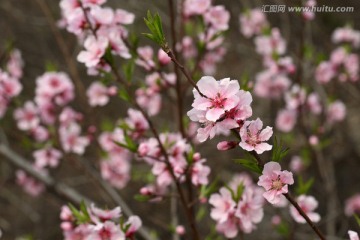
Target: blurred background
(29, 26)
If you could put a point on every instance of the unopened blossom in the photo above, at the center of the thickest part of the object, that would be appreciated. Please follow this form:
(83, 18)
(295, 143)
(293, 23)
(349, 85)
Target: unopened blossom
(336, 112)
(98, 94)
(286, 120)
(253, 137)
(104, 215)
(296, 164)
(196, 7)
(163, 58)
(252, 22)
(47, 157)
(95, 50)
(352, 205)
(180, 229)
(218, 17)
(353, 235)
(226, 145)
(308, 204)
(219, 96)
(275, 182)
(27, 117)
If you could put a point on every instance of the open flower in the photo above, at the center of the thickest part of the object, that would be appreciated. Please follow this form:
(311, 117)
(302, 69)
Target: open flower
(220, 96)
(253, 138)
(307, 204)
(275, 182)
(353, 235)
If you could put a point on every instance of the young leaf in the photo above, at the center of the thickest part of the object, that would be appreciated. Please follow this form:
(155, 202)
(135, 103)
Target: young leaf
(278, 152)
(249, 164)
(304, 187)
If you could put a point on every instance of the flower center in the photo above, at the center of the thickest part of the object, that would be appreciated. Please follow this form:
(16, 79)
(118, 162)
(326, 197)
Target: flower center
(277, 184)
(218, 101)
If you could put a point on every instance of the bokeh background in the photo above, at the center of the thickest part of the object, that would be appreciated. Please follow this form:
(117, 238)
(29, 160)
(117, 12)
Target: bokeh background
(29, 27)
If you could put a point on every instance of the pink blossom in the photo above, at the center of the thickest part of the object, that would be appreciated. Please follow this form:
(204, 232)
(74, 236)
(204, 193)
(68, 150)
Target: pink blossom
(75, 21)
(66, 214)
(275, 182)
(71, 140)
(40, 133)
(27, 117)
(218, 17)
(223, 205)
(314, 104)
(149, 100)
(276, 220)
(226, 145)
(253, 137)
(98, 94)
(164, 59)
(336, 112)
(136, 122)
(313, 140)
(116, 170)
(250, 209)
(196, 7)
(220, 96)
(180, 229)
(252, 22)
(351, 65)
(15, 64)
(352, 205)
(47, 157)
(295, 97)
(53, 87)
(134, 223)
(9, 86)
(29, 184)
(200, 173)
(123, 17)
(286, 120)
(308, 205)
(271, 85)
(338, 56)
(187, 47)
(68, 116)
(325, 72)
(296, 164)
(353, 235)
(95, 50)
(347, 35)
(101, 15)
(309, 15)
(272, 44)
(145, 58)
(105, 215)
(107, 230)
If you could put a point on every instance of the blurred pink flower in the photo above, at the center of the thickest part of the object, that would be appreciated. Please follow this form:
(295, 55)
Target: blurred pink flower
(95, 50)
(252, 22)
(308, 205)
(286, 120)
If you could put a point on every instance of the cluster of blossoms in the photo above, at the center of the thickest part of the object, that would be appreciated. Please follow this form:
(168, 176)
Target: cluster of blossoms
(115, 166)
(54, 90)
(343, 64)
(238, 207)
(273, 81)
(181, 161)
(220, 107)
(10, 85)
(216, 20)
(97, 224)
(101, 29)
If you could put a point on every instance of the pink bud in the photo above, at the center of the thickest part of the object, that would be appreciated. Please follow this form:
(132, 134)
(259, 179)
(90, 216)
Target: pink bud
(164, 59)
(203, 200)
(92, 129)
(112, 90)
(226, 145)
(276, 220)
(313, 140)
(180, 230)
(145, 191)
(196, 157)
(66, 226)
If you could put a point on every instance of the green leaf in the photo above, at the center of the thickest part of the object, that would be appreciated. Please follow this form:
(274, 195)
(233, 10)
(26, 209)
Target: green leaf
(51, 66)
(108, 56)
(154, 24)
(249, 164)
(82, 215)
(283, 229)
(141, 198)
(129, 70)
(278, 152)
(357, 218)
(201, 213)
(123, 94)
(303, 187)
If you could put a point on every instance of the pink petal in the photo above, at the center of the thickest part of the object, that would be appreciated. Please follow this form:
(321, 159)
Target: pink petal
(214, 114)
(208, 86)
